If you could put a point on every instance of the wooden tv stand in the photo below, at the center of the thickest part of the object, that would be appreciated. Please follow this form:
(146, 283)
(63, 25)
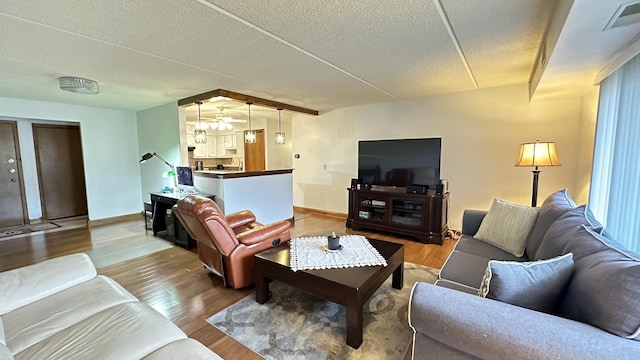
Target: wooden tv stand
(423, 216)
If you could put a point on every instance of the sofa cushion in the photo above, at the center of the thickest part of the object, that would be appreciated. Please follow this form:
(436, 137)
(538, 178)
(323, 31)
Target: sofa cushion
(464, 268)
(2, 338)
(605, 288)
(456, 286)
(555, 240)
(471, 220)
(25, 285)
(5, 353)
(552, 208)
(507, 226)
(187, 349)
(473, 246)
(536, 285)
(127, 331)
(37, 321)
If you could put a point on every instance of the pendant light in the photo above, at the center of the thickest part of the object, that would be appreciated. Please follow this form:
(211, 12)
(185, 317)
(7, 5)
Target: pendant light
(249, 135)
(200, 134)
(279, 134)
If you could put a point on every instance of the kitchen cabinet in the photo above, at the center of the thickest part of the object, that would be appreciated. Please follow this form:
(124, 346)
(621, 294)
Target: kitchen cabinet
(231, 141)
(220, 146)
(212, 146)
(217, 145)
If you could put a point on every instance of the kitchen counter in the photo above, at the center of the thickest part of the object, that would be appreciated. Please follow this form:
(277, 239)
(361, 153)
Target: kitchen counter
(268, 193)
(228, 174)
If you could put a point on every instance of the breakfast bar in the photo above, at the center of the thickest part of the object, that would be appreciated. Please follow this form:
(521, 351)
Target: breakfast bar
(267, 193)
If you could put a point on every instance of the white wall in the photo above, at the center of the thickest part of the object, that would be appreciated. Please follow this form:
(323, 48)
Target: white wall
(159, 132)
(109, 144)
(277, 156)
(587, 136)
(481, 133)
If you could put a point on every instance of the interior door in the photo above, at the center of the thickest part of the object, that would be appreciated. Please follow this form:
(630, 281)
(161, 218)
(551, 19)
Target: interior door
(12, 200)
(254, 153)
(58, 151)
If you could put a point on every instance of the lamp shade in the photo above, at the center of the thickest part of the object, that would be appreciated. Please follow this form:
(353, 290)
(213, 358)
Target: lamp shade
(200, 135)
(250, 136)
(146, 157)
(538, 154)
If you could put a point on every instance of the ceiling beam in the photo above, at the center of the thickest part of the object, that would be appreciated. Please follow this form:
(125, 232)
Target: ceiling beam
(246, 99)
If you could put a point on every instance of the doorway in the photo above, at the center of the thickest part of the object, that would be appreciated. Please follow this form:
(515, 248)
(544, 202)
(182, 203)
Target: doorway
(254, 153)
(58, 150)
(13, 209)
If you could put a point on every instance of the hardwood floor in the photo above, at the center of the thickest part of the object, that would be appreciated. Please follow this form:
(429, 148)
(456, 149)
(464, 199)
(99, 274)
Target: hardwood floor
(173, 281)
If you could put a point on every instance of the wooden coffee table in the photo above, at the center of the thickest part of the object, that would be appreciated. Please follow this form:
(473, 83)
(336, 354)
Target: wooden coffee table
(349, 287)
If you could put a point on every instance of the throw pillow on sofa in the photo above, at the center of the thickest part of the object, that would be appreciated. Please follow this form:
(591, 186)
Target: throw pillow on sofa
(507, 226)
(556, 238)
(536, 285)
(554, 206)
(605, 288)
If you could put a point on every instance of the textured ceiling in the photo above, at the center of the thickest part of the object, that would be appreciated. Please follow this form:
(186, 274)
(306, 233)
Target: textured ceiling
(326, 55)
(583, 48)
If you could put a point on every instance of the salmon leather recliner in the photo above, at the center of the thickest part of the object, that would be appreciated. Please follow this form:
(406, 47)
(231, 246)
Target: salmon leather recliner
(226, 244)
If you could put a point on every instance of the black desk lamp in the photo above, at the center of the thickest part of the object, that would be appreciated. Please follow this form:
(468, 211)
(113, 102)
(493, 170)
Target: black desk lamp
(537, 154)
(148, 156)
(170, 173)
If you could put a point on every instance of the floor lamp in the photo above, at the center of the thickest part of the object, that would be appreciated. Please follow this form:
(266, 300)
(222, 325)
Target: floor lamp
(537, 154)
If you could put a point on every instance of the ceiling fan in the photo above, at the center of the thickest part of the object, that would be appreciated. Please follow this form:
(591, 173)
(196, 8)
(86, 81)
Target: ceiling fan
(222, 122)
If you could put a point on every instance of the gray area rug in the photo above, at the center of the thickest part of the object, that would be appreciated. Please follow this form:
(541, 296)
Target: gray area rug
(296, 325)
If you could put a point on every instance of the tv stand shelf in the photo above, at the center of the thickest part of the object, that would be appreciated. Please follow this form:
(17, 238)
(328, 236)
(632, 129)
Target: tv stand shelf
(424, 217)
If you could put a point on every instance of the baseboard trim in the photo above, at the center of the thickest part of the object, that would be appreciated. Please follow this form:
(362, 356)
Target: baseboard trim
(333, 214)
(115, 219)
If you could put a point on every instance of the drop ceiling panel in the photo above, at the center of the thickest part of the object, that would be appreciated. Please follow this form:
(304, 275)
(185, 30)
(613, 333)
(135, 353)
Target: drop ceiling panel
(208, 41)
(321, 55)
(118, 70)
(500, 38)
(401, 47)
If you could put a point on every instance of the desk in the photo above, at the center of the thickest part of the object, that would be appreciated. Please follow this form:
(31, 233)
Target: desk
(160, 203)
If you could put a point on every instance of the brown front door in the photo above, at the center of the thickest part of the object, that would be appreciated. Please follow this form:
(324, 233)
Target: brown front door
(254, 153)
(60, 170)
(12, 200)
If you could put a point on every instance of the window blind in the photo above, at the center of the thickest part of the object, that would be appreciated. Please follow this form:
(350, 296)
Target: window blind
(615, 181)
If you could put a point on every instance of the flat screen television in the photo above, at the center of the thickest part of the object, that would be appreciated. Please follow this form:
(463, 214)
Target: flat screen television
(185, 175)
(399, 162)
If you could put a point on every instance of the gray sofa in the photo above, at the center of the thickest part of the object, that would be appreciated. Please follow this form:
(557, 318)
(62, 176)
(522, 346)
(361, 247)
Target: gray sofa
(595, 314)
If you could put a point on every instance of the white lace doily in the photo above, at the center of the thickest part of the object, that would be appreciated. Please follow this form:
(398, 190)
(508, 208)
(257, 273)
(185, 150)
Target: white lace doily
(309, 253)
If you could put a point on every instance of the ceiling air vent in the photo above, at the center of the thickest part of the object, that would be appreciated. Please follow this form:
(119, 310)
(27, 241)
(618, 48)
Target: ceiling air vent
(627, 14)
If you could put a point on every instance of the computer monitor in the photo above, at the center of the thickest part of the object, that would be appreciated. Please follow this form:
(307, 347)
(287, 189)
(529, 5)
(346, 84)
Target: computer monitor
(185, 175)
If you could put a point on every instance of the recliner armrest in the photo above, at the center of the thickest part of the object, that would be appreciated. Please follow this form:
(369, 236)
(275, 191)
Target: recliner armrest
(240, 218)
(264, 233)
(490, 329)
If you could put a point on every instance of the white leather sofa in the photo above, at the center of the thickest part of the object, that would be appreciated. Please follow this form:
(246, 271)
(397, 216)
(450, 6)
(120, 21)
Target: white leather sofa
(61, 309)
